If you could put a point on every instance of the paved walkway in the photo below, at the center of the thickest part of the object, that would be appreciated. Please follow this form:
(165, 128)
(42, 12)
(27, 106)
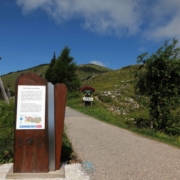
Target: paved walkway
(112, 153)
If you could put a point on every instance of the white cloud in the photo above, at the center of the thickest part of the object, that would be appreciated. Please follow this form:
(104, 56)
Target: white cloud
(153, 20)
(98, 63)
(102, 16)
(163, 20)
(29, 5)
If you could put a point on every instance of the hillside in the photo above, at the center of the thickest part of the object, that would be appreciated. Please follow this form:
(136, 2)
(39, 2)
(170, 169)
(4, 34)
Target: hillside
(10, 78)
(84, 71)
(115, 89)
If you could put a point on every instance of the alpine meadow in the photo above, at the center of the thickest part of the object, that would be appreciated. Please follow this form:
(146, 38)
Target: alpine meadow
(143, 98)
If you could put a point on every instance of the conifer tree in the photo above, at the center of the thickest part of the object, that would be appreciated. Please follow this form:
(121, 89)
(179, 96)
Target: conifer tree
(63, 70)
(49, 75)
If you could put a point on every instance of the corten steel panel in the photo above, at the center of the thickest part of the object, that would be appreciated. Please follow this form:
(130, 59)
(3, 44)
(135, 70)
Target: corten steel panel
(51, 126)
(30, 146)
(60, 105)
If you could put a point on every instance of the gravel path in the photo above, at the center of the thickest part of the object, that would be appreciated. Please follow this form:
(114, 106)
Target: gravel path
(112, 153)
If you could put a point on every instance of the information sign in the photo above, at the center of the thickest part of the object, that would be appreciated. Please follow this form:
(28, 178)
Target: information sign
(31, 107)
(87, 98)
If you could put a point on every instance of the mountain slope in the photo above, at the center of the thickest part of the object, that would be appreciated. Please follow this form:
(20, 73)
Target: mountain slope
(115, 89)
(84, 71)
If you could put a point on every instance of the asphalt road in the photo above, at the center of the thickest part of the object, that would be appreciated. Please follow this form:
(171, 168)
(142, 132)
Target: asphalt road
(112, 153)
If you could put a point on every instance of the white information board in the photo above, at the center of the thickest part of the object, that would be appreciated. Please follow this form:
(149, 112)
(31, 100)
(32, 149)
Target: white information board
(87, 98)
(31, 107)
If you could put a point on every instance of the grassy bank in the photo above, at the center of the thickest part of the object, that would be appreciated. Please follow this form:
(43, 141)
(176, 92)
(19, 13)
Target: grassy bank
(100, 112)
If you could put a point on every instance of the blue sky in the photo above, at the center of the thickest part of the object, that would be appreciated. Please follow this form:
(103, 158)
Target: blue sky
(111, 33)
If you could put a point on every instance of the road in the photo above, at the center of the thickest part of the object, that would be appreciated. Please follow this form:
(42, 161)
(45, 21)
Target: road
(111, 153)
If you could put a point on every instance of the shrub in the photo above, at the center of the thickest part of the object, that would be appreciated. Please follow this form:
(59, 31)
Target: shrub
(142, 123)
(6, 132)
(105, 99)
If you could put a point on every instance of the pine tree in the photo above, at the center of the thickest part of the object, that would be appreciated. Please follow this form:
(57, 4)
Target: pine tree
(49, 75)
(63, 70)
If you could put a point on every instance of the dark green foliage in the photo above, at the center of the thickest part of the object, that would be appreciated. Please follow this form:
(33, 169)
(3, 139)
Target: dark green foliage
(6, 132)
(175, 131)
(1, 96)
(105, 99)
(74, 94)
(158, 79)
(67, 150)
(142, 122)
(63, 70)
(50, 74)
(11, 94)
